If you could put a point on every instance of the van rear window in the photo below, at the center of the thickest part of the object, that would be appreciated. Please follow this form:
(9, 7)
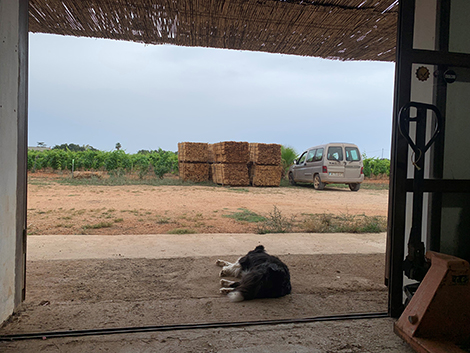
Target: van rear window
(352, 154)
(335, 153)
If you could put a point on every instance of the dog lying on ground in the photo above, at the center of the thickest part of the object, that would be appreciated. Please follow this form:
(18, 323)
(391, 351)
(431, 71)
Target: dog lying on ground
(261, 276)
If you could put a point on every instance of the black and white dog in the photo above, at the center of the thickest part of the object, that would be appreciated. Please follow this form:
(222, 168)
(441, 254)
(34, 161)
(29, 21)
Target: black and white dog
(262, 276)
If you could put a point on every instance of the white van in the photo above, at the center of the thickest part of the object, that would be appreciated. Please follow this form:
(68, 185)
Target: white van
(332, 163)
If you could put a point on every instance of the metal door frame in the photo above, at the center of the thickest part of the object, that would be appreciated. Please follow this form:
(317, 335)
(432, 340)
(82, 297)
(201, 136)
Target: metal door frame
(399, 183)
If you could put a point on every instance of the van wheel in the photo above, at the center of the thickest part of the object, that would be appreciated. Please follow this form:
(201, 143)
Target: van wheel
(317, 183)
(291, 179)
(354, 187)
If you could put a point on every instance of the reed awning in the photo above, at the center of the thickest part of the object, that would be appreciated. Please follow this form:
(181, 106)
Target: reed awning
(333, 29)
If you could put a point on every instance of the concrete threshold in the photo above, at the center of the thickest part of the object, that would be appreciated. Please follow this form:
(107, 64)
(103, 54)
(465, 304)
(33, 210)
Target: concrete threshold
(158, 246)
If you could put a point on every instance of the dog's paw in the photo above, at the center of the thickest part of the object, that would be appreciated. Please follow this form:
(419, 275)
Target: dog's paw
(225, 290)
(226, 283)
(221, 263)
(223, 273)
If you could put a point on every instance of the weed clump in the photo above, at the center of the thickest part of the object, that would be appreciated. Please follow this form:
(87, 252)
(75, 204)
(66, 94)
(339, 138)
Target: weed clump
(98, 225)
(329, 223)
(181, 231)
(246, 216)
(276, 223)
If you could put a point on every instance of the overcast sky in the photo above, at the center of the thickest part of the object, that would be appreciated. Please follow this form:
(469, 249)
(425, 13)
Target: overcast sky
(100, 92)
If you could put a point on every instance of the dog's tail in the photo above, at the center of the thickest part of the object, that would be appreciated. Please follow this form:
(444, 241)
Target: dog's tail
(235, 296)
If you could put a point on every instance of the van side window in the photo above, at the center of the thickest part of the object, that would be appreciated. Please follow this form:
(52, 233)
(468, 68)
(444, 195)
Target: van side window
(352, 154)
(335, 153)
(310, 155)
(319, 154)
(302, 158)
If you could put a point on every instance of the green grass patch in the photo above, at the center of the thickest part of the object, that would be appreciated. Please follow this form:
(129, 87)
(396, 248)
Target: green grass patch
(119, 180)
(163, 220)
(329, 223)
(61, 225)
(285, 183)
(181, 231)
(374, 186)
(39, 181)
(246, 216)
(235, 189)
(364, 186)
(98, 225)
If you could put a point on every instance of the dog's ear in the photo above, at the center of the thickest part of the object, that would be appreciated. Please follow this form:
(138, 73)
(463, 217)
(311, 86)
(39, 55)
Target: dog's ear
(259, 248)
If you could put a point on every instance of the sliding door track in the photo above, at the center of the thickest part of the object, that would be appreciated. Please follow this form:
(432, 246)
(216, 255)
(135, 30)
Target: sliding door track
(123, 330)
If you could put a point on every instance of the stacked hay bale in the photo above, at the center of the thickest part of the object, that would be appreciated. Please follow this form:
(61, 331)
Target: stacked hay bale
(211, 159)
(230, 163)
(265, 164)
(193, 161)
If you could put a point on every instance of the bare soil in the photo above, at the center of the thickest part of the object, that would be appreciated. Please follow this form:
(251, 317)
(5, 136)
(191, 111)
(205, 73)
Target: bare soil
(55, 208)
(88, 293)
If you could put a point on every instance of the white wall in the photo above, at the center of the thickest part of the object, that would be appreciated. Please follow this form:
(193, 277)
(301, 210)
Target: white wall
(11, 50)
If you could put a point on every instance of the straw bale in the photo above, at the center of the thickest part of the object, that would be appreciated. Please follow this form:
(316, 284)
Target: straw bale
(265, 175)
(230, 174)
(196, 172)
(231, 152)
(332, 29)
(192, 152)
(265, 154)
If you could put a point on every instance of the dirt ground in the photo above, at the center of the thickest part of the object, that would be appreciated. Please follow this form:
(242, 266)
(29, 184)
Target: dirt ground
(179, 285)
(55, 208)
(101, 293)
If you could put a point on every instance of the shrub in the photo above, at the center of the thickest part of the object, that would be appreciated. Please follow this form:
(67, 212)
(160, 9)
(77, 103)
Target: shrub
(329, 223)
(375, 166)
(163, 162)
(276, 223)
(288, 156)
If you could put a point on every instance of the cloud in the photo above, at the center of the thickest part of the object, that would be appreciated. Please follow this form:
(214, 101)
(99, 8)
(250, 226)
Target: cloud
(99, 92)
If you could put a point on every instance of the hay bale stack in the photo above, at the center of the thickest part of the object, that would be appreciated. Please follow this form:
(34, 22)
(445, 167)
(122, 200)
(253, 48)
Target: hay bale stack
(193, 161)
(265, 175)
(231, 163)
(231, 152)
(210, 153)
(196, 172)
(230, 174)
(265, 153)
(265, 164)
(193, 152)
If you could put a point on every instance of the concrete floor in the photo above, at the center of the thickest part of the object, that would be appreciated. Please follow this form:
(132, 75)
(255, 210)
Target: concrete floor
(350, 336)
(371, 335)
